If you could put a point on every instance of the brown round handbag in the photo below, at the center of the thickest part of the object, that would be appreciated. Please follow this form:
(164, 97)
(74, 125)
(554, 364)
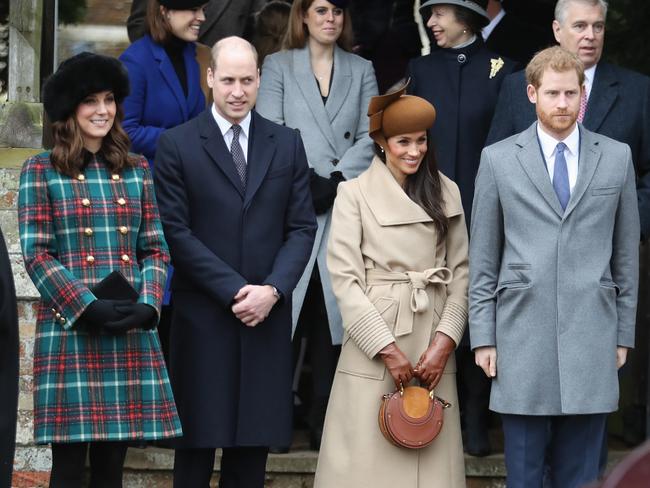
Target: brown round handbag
(411, 417)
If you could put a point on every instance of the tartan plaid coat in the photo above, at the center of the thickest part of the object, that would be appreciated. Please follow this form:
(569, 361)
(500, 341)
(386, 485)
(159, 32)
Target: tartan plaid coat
(74, 232)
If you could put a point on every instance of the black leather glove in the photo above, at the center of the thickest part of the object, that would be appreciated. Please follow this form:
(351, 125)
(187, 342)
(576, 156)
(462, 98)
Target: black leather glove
(323, 190)
(135, 315)
(95, 316)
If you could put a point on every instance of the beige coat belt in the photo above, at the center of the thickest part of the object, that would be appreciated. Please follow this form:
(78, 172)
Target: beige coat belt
(414, 294)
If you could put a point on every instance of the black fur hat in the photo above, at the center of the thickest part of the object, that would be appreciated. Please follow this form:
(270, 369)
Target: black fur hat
(78, 77)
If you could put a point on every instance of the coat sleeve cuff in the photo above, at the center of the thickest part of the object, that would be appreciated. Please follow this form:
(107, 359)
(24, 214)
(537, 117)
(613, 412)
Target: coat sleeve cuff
(626, 339)
(370, 333)
(453, 321)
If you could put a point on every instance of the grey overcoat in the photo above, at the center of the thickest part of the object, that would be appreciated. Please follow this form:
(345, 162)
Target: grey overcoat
(554, 291)
(335, 135)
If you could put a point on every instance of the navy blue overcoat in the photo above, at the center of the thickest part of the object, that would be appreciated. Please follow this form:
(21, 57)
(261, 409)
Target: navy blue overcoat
(232, 383)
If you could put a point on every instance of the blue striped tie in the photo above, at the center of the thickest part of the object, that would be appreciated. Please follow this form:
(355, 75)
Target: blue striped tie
(561, 176)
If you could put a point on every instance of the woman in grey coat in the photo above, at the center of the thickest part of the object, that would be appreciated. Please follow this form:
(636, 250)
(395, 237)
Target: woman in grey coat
(316, 86)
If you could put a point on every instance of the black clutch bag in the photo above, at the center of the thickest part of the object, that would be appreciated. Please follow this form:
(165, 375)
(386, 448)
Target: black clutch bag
(115, 287)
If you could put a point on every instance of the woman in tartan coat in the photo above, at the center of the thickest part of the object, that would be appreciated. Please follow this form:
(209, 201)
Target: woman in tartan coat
(87, 208)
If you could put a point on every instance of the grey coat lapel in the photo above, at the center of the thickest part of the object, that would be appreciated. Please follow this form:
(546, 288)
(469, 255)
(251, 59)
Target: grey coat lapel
(340, 84)
(604, 93)
(308, 86)
(587, 164)
(531, 159)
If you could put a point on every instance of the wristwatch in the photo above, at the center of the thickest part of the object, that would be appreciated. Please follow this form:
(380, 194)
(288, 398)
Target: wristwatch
(276, 293)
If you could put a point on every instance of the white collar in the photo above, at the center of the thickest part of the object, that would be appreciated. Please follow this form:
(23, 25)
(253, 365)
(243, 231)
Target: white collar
(548, 142)
(487, 30)
(225, 125)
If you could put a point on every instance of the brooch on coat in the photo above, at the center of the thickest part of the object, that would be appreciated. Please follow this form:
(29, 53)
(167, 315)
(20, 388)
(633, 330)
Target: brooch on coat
(495, 66)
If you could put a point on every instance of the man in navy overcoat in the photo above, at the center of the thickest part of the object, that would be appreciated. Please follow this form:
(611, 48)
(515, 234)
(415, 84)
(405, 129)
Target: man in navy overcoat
(617, 100)
(233, 191)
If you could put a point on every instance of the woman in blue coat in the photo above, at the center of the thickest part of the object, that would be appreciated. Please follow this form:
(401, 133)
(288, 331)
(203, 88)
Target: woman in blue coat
(164, 73)
(461, 78)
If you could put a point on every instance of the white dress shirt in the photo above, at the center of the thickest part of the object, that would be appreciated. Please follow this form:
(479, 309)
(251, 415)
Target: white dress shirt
(549, 144)
(226, 130)
(487, 30)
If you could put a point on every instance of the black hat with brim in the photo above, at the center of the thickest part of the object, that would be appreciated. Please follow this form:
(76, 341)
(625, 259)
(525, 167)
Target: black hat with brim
(80, 76)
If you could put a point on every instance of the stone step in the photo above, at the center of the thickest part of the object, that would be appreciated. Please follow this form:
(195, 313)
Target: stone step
(152, 468)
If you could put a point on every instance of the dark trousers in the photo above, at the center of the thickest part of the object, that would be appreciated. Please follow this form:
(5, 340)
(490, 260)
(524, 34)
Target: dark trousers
(241, 467)
(323, 356)
(106, 464)
(571, 444)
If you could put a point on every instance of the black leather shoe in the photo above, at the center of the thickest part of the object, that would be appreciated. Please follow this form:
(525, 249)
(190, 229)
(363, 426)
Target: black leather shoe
(315, 436)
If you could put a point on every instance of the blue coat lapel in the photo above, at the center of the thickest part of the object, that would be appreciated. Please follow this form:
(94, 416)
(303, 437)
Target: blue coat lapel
(604, 93)
(216, 148)
(169, 75)
(261, 148)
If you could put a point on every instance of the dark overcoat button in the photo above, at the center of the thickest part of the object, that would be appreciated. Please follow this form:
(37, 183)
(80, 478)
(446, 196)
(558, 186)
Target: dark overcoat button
(335, 162)
(347, 135)
(462, 58)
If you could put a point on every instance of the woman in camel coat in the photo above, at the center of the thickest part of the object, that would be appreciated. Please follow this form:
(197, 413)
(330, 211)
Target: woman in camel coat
(398, 261)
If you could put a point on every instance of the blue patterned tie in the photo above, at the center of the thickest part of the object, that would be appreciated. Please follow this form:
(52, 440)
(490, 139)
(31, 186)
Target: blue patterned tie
(561, 176)
(238, 154)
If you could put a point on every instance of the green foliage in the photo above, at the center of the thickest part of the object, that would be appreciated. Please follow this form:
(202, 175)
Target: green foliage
(627, 42)
(71, 11)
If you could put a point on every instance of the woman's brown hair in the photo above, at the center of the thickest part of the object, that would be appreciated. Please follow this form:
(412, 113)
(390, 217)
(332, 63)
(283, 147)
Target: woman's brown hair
(67, 155)
(425, 188)
(156, 24)
(297, 33)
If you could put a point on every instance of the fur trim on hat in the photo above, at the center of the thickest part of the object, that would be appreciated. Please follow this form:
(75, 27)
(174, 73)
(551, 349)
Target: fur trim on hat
(80, 76)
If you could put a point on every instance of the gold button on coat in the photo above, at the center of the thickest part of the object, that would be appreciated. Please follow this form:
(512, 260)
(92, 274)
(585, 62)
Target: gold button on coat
(85, 202)
(90, 259)
(88, 231)
(81, 177)
(126, 258)
(62, 320)
(57, 315)
(115, 177)
(121, 201)
(124, 229)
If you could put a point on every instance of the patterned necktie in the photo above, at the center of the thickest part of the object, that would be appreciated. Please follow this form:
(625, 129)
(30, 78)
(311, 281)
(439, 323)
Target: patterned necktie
(583, 106)
(561, 176)
(238, 154)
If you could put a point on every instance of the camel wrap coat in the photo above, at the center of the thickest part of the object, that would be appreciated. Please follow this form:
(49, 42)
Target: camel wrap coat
(394, 282)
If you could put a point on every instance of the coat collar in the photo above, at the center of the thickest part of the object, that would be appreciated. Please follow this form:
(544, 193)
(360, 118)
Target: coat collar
(168, 73)
(530, 157)
(261, 148)
(388, 202)
(341, 83)
(604, 92)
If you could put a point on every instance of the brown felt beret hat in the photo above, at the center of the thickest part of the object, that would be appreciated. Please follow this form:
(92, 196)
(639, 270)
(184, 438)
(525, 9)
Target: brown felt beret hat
(396, 113)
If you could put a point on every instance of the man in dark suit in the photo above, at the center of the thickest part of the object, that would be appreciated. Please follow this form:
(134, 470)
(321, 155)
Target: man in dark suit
(8, 366)
(222, 18)
(233, 192)
(616, 103)
(513, 37)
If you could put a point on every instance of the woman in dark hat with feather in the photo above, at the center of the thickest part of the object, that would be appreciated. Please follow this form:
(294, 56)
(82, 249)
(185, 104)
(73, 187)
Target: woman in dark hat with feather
(86, 209)
(462, 78)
